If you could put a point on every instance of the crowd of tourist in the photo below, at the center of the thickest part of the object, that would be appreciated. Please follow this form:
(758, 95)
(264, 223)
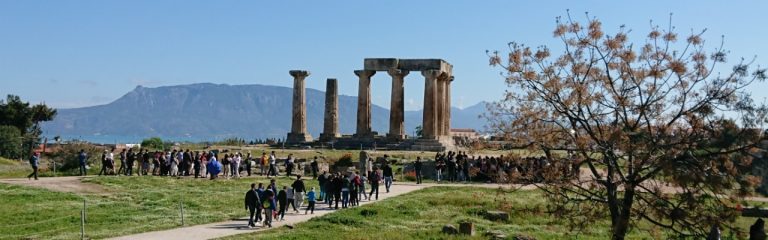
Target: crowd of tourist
(459, 167)
(200, 164)
(449, 166)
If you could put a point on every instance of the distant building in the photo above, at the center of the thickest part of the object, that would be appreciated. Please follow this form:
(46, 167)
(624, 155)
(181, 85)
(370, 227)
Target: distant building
(466, 133)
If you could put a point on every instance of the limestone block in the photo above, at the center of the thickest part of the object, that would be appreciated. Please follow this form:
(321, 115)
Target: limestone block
(467, 228)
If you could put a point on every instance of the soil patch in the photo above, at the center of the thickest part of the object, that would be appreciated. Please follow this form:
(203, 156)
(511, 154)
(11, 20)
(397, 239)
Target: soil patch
(59, 184)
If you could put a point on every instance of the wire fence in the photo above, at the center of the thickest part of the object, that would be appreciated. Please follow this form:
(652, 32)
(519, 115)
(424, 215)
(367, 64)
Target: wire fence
(82, 224)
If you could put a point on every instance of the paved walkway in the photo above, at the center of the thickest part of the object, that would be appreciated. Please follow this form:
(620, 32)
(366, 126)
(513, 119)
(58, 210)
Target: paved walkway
(228, 228)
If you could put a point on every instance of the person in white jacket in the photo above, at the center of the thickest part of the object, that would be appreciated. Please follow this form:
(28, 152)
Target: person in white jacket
(236, 165)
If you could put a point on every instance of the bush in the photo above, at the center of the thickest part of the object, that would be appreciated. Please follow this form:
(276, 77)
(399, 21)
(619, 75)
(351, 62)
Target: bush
(68, 154)
(10, 142)
(368, 212)
(344, 161)
(153, 143)
(232, 142)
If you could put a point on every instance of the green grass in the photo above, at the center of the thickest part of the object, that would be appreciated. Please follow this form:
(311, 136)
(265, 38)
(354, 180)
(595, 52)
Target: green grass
(19, 169)
(13, 168)
(131, 205)
(422, 214)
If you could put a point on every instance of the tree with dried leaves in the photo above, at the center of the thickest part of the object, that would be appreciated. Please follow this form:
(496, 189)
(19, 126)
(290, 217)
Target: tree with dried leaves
(656, 135)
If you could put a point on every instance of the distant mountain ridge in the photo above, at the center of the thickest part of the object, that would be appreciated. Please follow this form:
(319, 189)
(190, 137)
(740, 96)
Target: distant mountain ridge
(208, 111)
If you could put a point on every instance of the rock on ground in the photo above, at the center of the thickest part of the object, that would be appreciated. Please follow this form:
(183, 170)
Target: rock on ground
(450, 229)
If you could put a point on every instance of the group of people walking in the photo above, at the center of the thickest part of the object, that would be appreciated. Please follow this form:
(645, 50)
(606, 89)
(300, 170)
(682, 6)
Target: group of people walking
(350, 188)
(269, 203)
(266, 204)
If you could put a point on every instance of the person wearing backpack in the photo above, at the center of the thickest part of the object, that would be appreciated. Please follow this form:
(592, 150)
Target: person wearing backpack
(374, 179)
(34, 161)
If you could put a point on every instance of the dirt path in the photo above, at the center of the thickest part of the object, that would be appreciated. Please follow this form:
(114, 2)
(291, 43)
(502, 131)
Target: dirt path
(59, 184)
(228, 228)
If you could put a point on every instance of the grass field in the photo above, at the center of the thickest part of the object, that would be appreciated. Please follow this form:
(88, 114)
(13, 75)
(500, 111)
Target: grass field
(422, 214)
(140, 204)
(13, 168)
(131, 205)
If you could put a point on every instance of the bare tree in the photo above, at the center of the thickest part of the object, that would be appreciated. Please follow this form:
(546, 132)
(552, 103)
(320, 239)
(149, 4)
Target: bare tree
(657, 136)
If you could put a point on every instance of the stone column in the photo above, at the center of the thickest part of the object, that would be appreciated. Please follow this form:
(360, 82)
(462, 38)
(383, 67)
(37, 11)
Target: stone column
(429, 123)
(440, 106)
(364, 104)
(298, 132)
(397, 106)
(447, 122)
(331, 119)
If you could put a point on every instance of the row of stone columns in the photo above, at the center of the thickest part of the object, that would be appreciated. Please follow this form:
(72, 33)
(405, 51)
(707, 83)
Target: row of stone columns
(437, 106)
(436, 121)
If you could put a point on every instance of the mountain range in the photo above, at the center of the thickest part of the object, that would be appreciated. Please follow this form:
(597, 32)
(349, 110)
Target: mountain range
(208, 111)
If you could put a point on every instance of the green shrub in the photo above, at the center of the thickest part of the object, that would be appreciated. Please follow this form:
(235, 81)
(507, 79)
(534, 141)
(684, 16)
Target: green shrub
(67, 156)
(153, 143)
(344, 161)
(10, 142)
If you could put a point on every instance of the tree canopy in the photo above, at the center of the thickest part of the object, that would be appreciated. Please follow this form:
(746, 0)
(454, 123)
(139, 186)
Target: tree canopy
(10, 142)
(656, 134)
(26, 118)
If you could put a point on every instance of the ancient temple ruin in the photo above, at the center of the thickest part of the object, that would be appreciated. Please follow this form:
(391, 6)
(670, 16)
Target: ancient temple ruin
(438, 75)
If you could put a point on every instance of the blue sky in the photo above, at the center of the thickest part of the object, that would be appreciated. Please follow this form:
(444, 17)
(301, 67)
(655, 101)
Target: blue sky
(83, 53)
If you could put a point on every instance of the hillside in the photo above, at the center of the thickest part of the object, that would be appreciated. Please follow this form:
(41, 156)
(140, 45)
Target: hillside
(214, 111)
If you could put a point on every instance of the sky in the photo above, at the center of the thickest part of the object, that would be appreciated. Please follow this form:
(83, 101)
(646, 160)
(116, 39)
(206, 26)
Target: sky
(75, 53)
